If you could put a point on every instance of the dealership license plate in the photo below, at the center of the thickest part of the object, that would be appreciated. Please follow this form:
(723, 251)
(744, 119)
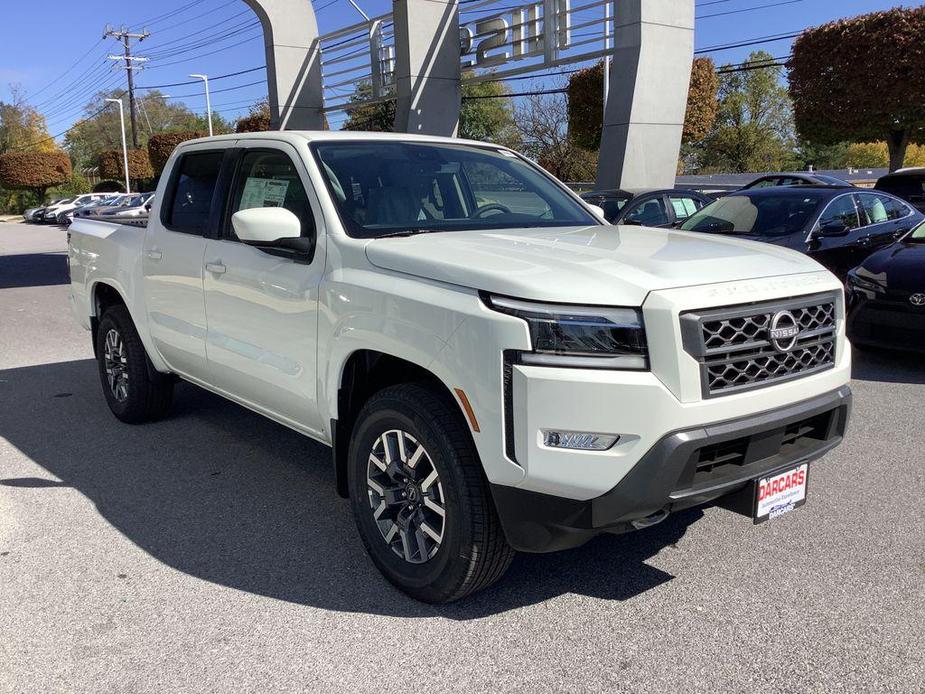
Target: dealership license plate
(780, 493)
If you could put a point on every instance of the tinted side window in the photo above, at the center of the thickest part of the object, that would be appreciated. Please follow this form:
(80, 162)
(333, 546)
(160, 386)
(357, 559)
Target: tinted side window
(650, 213)
(841, 211)
(194, 184)
(881, 208)
(270, 179)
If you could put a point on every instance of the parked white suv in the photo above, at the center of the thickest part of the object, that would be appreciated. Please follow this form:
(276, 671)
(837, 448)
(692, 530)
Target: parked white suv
(494, 368)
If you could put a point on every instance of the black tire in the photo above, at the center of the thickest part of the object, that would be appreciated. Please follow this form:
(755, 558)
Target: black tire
(148, 394)
(473, 553)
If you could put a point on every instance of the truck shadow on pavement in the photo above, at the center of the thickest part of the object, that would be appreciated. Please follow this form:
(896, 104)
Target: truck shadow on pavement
(227, 496)
(33, 270)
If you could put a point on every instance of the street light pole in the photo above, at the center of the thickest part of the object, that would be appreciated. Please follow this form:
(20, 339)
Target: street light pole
(205, 80)
(128, 188)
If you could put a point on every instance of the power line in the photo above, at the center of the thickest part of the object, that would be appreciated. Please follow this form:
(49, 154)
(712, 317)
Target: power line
(770, 38)
(73, 65)
(749, 9)
(211, 79)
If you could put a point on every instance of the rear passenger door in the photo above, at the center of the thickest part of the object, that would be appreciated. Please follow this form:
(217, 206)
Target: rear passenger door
(172, 259)
(262, 304)
(886, 219)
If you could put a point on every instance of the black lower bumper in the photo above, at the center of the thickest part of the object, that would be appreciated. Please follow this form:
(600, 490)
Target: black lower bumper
(683, 469)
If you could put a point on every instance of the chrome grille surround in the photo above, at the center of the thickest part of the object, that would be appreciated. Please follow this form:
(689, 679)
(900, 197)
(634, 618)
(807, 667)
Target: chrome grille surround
(735, 351)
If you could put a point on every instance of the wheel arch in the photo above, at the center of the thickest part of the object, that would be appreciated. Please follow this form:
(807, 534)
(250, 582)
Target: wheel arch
(104, 293)
(364, 373)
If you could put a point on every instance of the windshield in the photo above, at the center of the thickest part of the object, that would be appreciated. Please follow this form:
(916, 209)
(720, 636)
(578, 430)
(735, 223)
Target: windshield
(759, 214)
(385, 187)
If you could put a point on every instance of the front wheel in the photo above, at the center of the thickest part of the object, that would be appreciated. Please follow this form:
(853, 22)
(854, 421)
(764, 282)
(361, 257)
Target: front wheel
(134, 391)
(421, 503)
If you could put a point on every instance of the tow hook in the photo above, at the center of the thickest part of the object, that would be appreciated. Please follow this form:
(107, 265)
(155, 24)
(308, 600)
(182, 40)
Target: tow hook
(649, 521)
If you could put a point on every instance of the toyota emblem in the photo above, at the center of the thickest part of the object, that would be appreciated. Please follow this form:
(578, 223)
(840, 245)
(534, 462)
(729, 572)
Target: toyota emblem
(784, 331)
(917, 299)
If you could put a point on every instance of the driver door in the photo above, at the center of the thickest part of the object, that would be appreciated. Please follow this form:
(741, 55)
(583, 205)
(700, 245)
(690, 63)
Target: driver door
(837, 253)
(262, 305)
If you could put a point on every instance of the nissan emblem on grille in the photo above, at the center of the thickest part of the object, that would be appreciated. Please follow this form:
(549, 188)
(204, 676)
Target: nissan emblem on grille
(784, 331)
(757, 345)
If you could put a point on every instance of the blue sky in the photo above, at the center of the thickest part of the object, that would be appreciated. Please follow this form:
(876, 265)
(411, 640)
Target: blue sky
(43, 39)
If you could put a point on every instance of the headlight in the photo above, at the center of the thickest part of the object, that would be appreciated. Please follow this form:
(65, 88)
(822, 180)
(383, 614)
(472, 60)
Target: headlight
(861, 284)
(595, 337)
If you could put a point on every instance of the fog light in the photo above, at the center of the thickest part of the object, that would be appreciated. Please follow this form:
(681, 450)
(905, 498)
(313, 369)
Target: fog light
(579, 440)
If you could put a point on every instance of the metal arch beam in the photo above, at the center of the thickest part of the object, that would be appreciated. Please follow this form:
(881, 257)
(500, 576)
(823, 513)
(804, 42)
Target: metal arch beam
(290, 38)
(649, 80)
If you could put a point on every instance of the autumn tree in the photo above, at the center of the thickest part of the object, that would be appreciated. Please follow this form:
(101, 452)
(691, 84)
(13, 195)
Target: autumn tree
(111, 163)
(586, 103)
(861, 80)
(22, 126)
(257, 120)
(162, 145)
(36, 171)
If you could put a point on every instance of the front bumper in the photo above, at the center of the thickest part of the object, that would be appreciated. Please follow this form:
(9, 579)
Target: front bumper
(891, 322)
(683, 469)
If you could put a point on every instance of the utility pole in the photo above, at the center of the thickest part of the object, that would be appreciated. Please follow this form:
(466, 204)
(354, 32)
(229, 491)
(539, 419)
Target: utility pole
(131, 64)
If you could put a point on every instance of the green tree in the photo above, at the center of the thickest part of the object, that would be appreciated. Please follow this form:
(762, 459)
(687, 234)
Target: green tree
(100, 130)
(485, 114)
(754, 124)
(860, 79)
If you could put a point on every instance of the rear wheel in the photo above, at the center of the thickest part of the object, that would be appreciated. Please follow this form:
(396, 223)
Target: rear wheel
(134, 391)
(421, 503)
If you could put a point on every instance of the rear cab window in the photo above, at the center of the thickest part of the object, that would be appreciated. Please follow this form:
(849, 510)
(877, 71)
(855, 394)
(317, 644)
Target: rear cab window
(188, 201)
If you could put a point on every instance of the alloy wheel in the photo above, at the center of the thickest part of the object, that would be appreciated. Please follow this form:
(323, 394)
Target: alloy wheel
(406, 496)
(116, 365)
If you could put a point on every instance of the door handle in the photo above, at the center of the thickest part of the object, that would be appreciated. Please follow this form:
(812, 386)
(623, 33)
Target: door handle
(216, 267)
(155, 254)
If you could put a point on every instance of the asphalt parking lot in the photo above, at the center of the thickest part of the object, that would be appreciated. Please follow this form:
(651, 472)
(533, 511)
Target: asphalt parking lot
(209, 552)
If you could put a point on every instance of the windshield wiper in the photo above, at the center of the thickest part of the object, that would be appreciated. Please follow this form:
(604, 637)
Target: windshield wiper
(405, 232)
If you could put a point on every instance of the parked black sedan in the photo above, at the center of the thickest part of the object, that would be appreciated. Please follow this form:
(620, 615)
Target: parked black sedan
(795, 179)
(647, 207)
(886, 296)
(839, 226)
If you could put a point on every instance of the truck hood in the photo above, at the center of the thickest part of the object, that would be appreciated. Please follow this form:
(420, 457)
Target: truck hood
(592, 264)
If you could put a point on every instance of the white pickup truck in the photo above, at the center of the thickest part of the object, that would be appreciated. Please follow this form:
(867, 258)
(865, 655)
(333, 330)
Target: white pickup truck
(494, 368)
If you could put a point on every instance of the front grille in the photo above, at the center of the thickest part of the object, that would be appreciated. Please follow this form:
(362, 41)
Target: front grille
(718, 462)
(736, 350)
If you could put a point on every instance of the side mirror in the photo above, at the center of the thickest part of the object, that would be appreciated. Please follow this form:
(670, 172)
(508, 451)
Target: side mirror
(147, 207)
(598, 210)
(833, 229)
(272, 227)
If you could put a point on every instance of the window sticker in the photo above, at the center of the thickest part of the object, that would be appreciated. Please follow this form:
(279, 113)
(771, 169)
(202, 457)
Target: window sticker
(683, 207)
(263, 192)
